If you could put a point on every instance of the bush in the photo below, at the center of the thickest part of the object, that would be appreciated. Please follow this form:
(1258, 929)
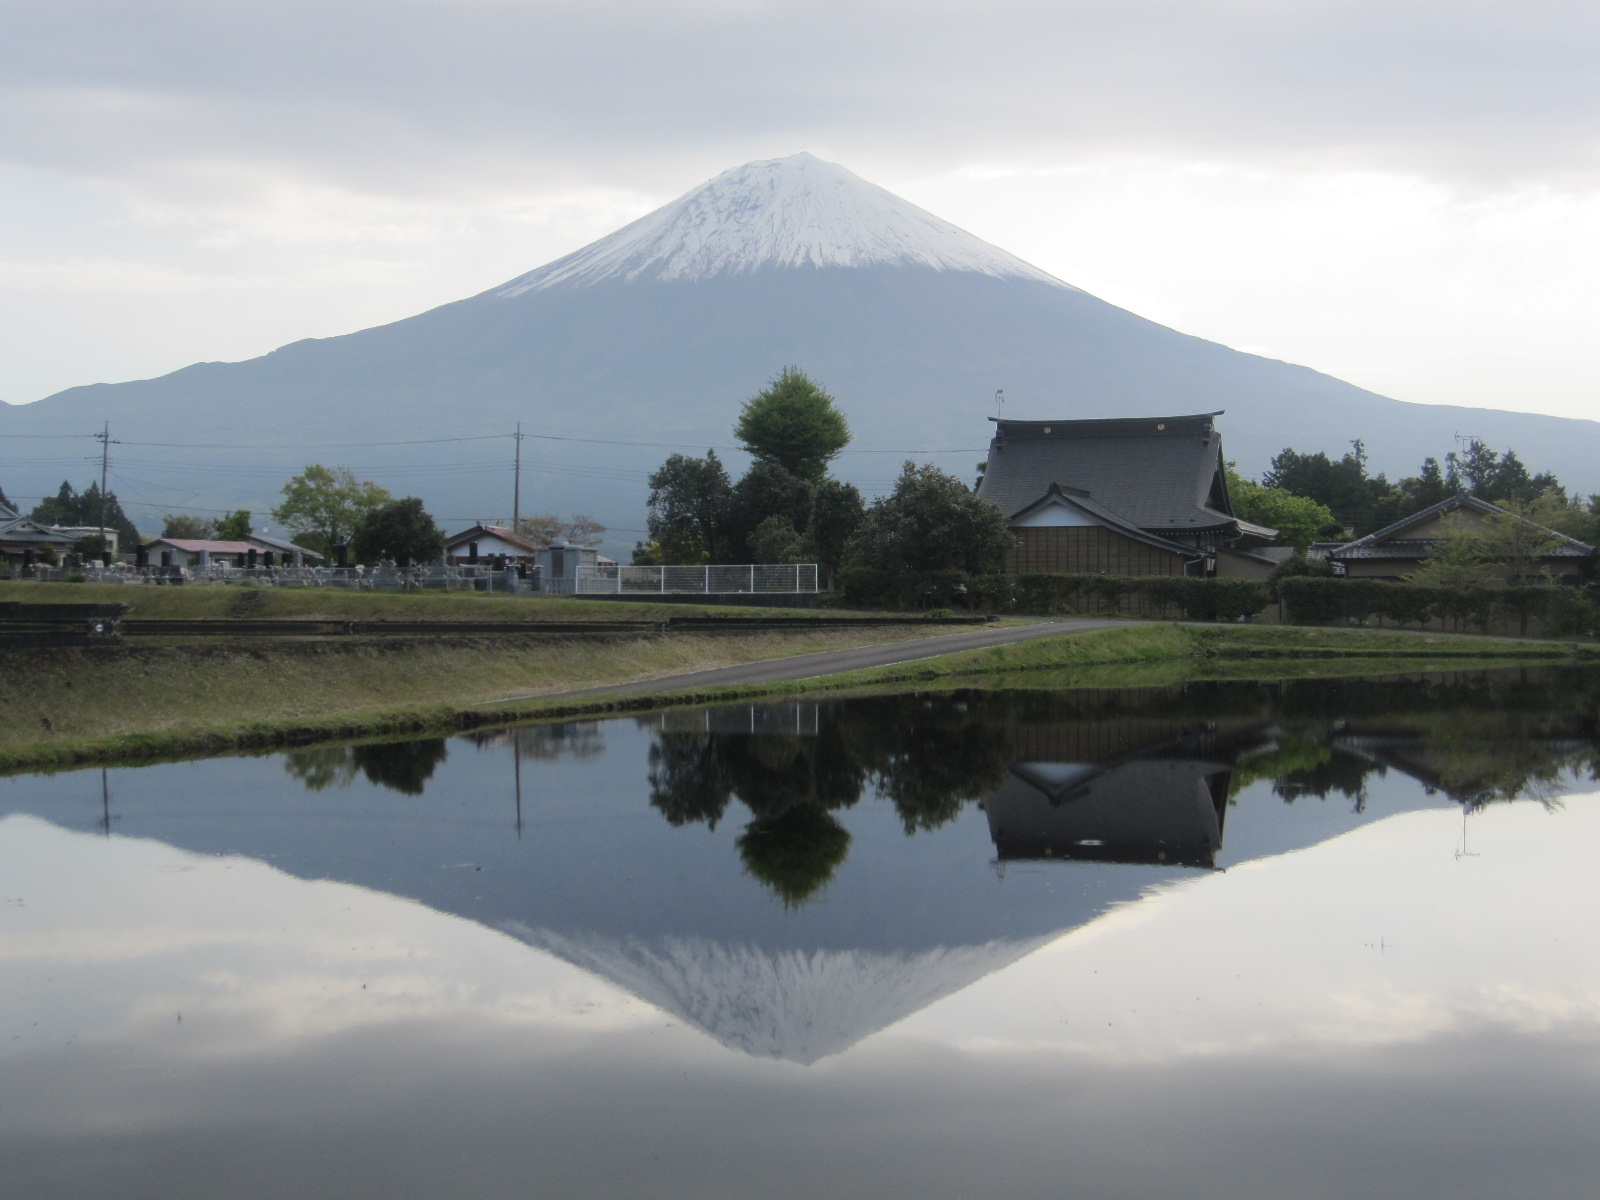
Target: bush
(1555, 610)
(1047, 595)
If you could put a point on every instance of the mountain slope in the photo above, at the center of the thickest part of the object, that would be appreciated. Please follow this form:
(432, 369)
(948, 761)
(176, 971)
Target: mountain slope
(657, 334)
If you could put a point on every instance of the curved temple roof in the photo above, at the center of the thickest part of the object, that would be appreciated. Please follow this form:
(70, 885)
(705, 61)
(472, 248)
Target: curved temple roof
(1161, 474)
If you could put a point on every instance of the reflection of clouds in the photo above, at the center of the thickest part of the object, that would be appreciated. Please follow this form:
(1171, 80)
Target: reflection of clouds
(254, 960)
(1375, 938)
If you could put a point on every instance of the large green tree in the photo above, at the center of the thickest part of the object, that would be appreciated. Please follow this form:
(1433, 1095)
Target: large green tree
(836, 513)
(793, 424)
(399, 530)
(930, 522)
(766, 492)
(1299, 520)
(689, 508)
(187, 527)
(322, 505)
(234, 527)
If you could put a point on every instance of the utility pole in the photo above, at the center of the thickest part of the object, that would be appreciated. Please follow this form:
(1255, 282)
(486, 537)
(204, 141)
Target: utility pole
(999, 401)
(104, 438)
(516, 483)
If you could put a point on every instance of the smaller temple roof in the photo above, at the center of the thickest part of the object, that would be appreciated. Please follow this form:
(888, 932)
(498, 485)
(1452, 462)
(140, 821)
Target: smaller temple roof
(1390, 542)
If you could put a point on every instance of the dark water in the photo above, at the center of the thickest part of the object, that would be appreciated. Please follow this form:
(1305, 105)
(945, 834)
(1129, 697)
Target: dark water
(1280, 940)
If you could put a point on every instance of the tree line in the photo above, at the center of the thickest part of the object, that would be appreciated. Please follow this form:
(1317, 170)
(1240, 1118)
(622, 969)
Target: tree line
(787, 508)
(322, 507)
(1315, 496)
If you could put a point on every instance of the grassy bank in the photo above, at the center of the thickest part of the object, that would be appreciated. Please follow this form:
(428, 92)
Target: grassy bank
(218, 602)
(78, 706)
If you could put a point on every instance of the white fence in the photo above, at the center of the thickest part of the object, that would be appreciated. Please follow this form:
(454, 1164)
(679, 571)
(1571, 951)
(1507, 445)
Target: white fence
(726, 579)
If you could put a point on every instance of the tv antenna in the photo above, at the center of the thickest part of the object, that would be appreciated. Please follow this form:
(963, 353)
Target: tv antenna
(999, 402)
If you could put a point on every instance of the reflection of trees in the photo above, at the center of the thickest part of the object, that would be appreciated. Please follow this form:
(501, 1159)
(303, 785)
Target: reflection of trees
(319, 767)
(561, 739)
(687, 782)
(789, 783)
(399, 766)
(1332, 772)
(795, 852)
(930, 756)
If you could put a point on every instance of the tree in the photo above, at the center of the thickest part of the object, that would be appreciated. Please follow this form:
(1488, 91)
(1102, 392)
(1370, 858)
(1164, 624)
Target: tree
(579, 531)
(1357, 502)
(3, 499)
(1296, 518)
(399, 530)
(1503, 547)
(322, 505)
(1458, 559)
(774, 541)
(836, 512)
(688, 508)
(931, 522)
(767, 490)
(235, 527)
(186, 527)
(71, 508)
(793, 424)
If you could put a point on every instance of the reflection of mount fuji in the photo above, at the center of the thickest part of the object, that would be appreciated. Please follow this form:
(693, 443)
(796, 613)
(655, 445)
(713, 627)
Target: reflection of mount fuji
(680, 857)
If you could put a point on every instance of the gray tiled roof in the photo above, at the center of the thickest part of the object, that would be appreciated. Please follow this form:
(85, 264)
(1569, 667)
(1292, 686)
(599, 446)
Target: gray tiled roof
(18, 529)
(1156, 473)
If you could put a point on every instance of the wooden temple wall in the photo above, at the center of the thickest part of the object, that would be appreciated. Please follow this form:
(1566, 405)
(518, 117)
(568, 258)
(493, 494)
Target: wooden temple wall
(1087, 550)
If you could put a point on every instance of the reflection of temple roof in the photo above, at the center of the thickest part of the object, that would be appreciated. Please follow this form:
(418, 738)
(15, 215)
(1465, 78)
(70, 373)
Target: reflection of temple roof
(1144, 810)
(1424, 759)
(1161, 803)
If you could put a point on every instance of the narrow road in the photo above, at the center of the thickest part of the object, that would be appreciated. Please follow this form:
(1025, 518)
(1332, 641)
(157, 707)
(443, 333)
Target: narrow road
(831, 662)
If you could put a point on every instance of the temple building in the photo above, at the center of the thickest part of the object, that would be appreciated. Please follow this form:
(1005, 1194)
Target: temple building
(1124, 496)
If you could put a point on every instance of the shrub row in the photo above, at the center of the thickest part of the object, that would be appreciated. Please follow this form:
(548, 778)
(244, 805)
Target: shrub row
(1553, 610)
(1150, 595)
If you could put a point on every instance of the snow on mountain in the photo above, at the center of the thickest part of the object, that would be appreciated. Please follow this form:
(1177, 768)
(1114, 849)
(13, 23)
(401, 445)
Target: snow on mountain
(797, 1005)
(665, 328)
(782, 212)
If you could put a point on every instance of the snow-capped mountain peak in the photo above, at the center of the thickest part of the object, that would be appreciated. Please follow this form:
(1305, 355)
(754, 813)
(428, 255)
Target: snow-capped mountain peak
(783, 212)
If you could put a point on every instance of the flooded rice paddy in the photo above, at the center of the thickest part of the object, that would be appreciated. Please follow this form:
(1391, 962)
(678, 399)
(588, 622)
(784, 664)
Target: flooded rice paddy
(1301, 939)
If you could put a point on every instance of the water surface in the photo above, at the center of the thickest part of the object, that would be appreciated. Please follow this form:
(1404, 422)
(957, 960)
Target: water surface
(1301, 939)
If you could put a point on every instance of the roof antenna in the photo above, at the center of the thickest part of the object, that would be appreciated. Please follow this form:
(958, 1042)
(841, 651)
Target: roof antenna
(999, 402)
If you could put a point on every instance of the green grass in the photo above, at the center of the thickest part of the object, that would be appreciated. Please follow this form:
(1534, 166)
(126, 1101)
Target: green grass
(81, 703)
(216, 602)
(62, 707)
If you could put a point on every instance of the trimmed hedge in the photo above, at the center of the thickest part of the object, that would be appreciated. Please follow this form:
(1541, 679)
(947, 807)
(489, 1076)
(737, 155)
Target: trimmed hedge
(1150, 595)
(1553, 609)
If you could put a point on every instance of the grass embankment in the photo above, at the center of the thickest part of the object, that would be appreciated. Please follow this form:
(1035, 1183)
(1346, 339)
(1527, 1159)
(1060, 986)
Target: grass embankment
(66, 707)
(217, 602)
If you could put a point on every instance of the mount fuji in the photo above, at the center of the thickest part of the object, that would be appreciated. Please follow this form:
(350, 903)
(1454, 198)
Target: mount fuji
(648, 340)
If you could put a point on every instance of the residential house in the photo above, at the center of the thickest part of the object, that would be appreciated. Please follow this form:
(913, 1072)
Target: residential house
(21, 538)
(1395, 551)
(1124, 496)
(483, 542)
(198, 553)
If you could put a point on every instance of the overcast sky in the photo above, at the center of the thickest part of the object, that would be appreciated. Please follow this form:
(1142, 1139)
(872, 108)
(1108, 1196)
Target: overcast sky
(1404, 194)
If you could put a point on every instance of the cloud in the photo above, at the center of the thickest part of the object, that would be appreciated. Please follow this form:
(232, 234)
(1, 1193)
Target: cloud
(435, 95)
